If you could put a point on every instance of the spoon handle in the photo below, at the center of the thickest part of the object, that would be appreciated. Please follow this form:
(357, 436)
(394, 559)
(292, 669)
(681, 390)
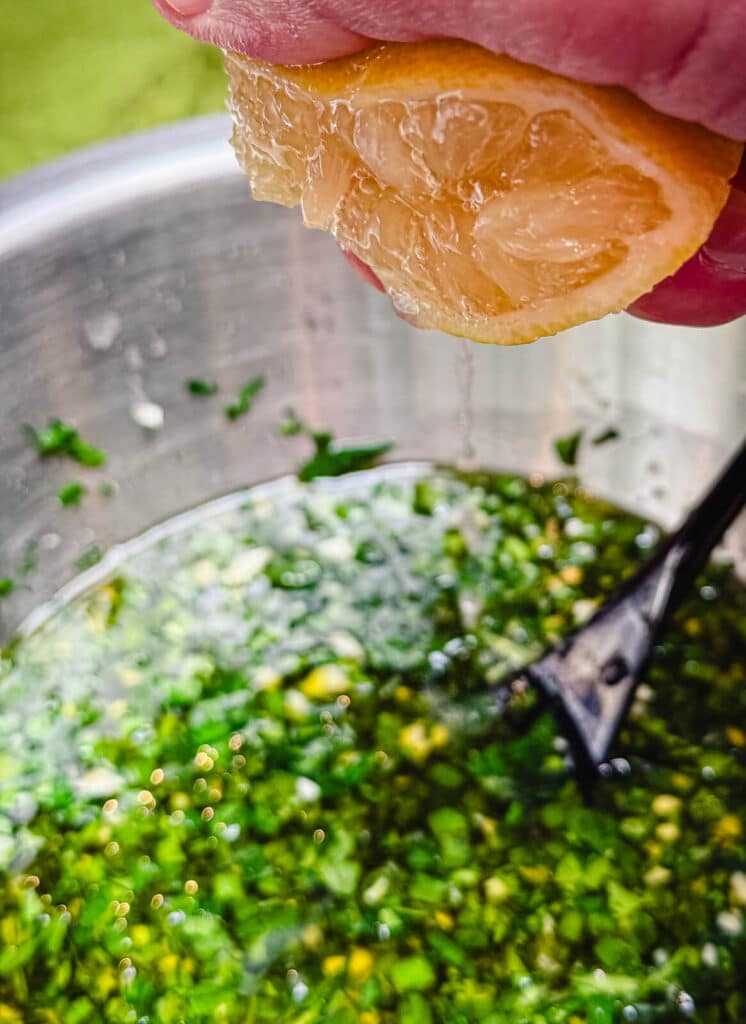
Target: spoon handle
(689, 548)
(590, 677)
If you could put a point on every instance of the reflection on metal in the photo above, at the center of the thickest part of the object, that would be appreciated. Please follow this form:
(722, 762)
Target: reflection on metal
(157, 235)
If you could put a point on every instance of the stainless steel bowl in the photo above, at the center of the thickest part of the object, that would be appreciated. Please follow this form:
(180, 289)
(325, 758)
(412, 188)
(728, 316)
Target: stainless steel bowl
(131, 267)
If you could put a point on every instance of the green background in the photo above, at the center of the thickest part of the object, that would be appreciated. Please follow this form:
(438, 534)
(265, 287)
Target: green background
(76, 71)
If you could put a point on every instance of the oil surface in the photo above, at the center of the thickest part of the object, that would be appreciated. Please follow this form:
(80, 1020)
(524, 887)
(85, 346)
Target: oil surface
(254, 774)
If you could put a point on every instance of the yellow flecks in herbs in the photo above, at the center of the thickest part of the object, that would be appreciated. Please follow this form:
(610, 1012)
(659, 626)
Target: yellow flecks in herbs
(657, 876)
(417, 740)
(265, 678)
(297, 705)
(572, 575)
(443, 920)
(496, 890)
(728, 831)
(130, 676)
(169, 963)
(439, 735)
(376, 891)
(538, 874)
(487, 826)
(332, 965)
(735, 736)
(246, 566)
(414, 742)
(668, 832)
(682, 782)
(229, 787)
(313, 936)
(665, 805)
(325, 682)
(117, 709)
(204, 572)
(738, 889)
(360, 965)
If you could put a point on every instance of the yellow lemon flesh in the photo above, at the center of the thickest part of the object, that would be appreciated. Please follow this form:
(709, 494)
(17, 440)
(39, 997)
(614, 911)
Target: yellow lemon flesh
(494, 200)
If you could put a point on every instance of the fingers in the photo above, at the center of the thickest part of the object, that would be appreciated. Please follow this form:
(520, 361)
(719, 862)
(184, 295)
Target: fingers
(282, 31)
(684, 57)
(710, 288)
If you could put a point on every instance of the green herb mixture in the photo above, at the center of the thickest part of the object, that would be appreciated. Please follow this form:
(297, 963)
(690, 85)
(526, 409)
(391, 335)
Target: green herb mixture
(256, 776)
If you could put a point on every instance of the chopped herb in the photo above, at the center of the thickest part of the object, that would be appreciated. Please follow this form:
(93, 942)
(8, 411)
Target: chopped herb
(60, 438)
(332, 460)
(567, 447)
(107, 490)
(91, 556)
(71, 494)
(201, 388)
(6, 586)
(246, 398)
(274, 786)
(30, 559)
(612, 434)
(292, 426)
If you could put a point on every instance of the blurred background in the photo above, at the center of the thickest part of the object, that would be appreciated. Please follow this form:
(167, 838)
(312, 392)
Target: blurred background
(73, 72)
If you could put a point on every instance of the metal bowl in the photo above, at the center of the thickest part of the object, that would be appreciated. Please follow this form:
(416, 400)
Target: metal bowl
(131, 267)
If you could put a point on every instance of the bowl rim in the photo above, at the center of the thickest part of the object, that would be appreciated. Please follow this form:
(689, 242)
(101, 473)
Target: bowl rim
(48, 198)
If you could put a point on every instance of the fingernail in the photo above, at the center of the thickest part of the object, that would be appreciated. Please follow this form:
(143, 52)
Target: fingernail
(189, 8)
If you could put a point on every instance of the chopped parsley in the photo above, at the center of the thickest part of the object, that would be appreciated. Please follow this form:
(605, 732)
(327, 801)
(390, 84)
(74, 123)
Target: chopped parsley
(30, 558)
(567, 448)
(259, 775)
(60, 438)
(71, 494)
(90, 557)
(334, 460)
(245, 400)
(6, 586)
(201, 388)
(330, 459)
(612, 434)
(292, 426)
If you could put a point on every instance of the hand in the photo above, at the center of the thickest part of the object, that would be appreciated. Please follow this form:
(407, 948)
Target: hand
(684, 57)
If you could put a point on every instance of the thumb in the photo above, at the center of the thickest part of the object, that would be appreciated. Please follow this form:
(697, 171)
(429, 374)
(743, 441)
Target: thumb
(264, 28)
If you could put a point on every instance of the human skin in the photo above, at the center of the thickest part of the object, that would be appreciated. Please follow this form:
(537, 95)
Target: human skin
(683, 57)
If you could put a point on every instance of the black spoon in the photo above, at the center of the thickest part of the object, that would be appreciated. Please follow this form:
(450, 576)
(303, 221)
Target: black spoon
(589, 677)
